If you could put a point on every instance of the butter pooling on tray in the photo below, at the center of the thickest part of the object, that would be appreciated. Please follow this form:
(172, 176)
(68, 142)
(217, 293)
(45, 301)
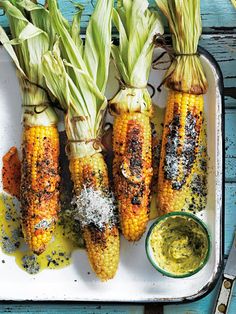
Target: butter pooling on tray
(67, 236)
(76, 74)
(39, 192)
(58, 253)
(178, 178)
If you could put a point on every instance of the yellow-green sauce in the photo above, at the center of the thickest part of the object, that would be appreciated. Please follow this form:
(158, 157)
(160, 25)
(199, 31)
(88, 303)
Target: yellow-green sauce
(179, 244)
(59, 251)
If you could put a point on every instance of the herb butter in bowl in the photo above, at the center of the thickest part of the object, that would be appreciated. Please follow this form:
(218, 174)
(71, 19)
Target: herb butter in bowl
(178, 244)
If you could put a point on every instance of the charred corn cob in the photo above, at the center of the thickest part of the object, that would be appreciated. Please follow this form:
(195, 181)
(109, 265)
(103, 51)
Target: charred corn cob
(184, 111)
(80, 89)
(132, 171)
(102, 243)
(39, 185)
(90, 171)
(183, 122)
(132, 108)
(40, 148)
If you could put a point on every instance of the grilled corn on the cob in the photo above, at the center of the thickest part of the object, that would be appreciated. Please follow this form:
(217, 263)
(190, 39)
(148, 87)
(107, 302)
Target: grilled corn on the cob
(184, 111)
(39, 194)
(39, 185)
(80, 89)
(183, 122)
(132, 108)
(102, 242)
(132, 171)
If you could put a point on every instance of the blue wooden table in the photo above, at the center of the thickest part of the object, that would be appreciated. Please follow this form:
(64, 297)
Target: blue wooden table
(219, 38)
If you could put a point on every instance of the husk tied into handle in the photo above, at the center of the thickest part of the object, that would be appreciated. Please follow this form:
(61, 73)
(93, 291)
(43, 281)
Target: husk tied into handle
(185, 73)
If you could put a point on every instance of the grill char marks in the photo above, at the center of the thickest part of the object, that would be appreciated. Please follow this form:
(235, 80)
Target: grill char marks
(132, 172)
(181, 154)
(171, 163)
(39, 192)
(181, 149)
(134, 149)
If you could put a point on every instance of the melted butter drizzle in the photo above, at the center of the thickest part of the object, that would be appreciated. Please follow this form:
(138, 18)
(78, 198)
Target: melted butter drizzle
(59, 251)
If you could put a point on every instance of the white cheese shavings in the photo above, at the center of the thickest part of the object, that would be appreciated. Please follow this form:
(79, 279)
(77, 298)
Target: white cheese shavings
(44, 224)
(93, 207)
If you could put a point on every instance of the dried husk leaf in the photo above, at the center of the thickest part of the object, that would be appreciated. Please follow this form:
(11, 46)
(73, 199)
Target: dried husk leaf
(185, 73)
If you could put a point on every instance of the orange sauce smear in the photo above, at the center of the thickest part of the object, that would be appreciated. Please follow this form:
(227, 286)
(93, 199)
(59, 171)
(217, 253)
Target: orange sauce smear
(11, 172)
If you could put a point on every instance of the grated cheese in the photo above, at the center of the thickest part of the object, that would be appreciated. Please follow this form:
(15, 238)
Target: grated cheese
(93, 207)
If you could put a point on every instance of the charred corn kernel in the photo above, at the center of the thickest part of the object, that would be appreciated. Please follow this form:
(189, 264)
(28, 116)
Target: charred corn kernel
(132, 172)
(103, 250)
(102, 245)
(39, 185)
(89, 171)
(182, 126)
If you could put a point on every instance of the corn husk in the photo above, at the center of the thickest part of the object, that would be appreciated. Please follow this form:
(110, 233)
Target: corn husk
(137, 26)
(77, 73)
(185, 73)
(28, 44)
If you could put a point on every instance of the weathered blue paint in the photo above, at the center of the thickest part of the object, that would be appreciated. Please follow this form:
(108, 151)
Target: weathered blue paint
(215, 14)
(219, 18)
(230, 145)
(70, 309)
(223, 48)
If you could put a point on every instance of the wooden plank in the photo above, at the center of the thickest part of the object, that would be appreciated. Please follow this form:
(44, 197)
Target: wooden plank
(203, 306)
(153, 309)
(230, 102)
(70, 308)
(230, 145)
(230, 214)
(217, 16)
(223, 48)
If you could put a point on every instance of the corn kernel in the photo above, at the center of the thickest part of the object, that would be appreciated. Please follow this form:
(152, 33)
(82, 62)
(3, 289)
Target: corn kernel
(39, 201)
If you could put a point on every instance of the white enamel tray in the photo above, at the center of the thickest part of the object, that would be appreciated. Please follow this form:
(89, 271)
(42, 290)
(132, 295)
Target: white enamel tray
(136, 279)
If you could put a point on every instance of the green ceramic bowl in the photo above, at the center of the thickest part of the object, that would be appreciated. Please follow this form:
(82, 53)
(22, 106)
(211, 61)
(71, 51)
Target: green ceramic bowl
(179, 226)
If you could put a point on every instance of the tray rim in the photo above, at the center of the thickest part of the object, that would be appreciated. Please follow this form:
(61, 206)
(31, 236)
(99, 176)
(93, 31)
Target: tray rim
(209, 286)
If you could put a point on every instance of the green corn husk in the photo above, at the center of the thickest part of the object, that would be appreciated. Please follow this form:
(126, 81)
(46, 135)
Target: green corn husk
(77, 74)
(29, 42)
(28, 45)
(185, 73)
(137, 27)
